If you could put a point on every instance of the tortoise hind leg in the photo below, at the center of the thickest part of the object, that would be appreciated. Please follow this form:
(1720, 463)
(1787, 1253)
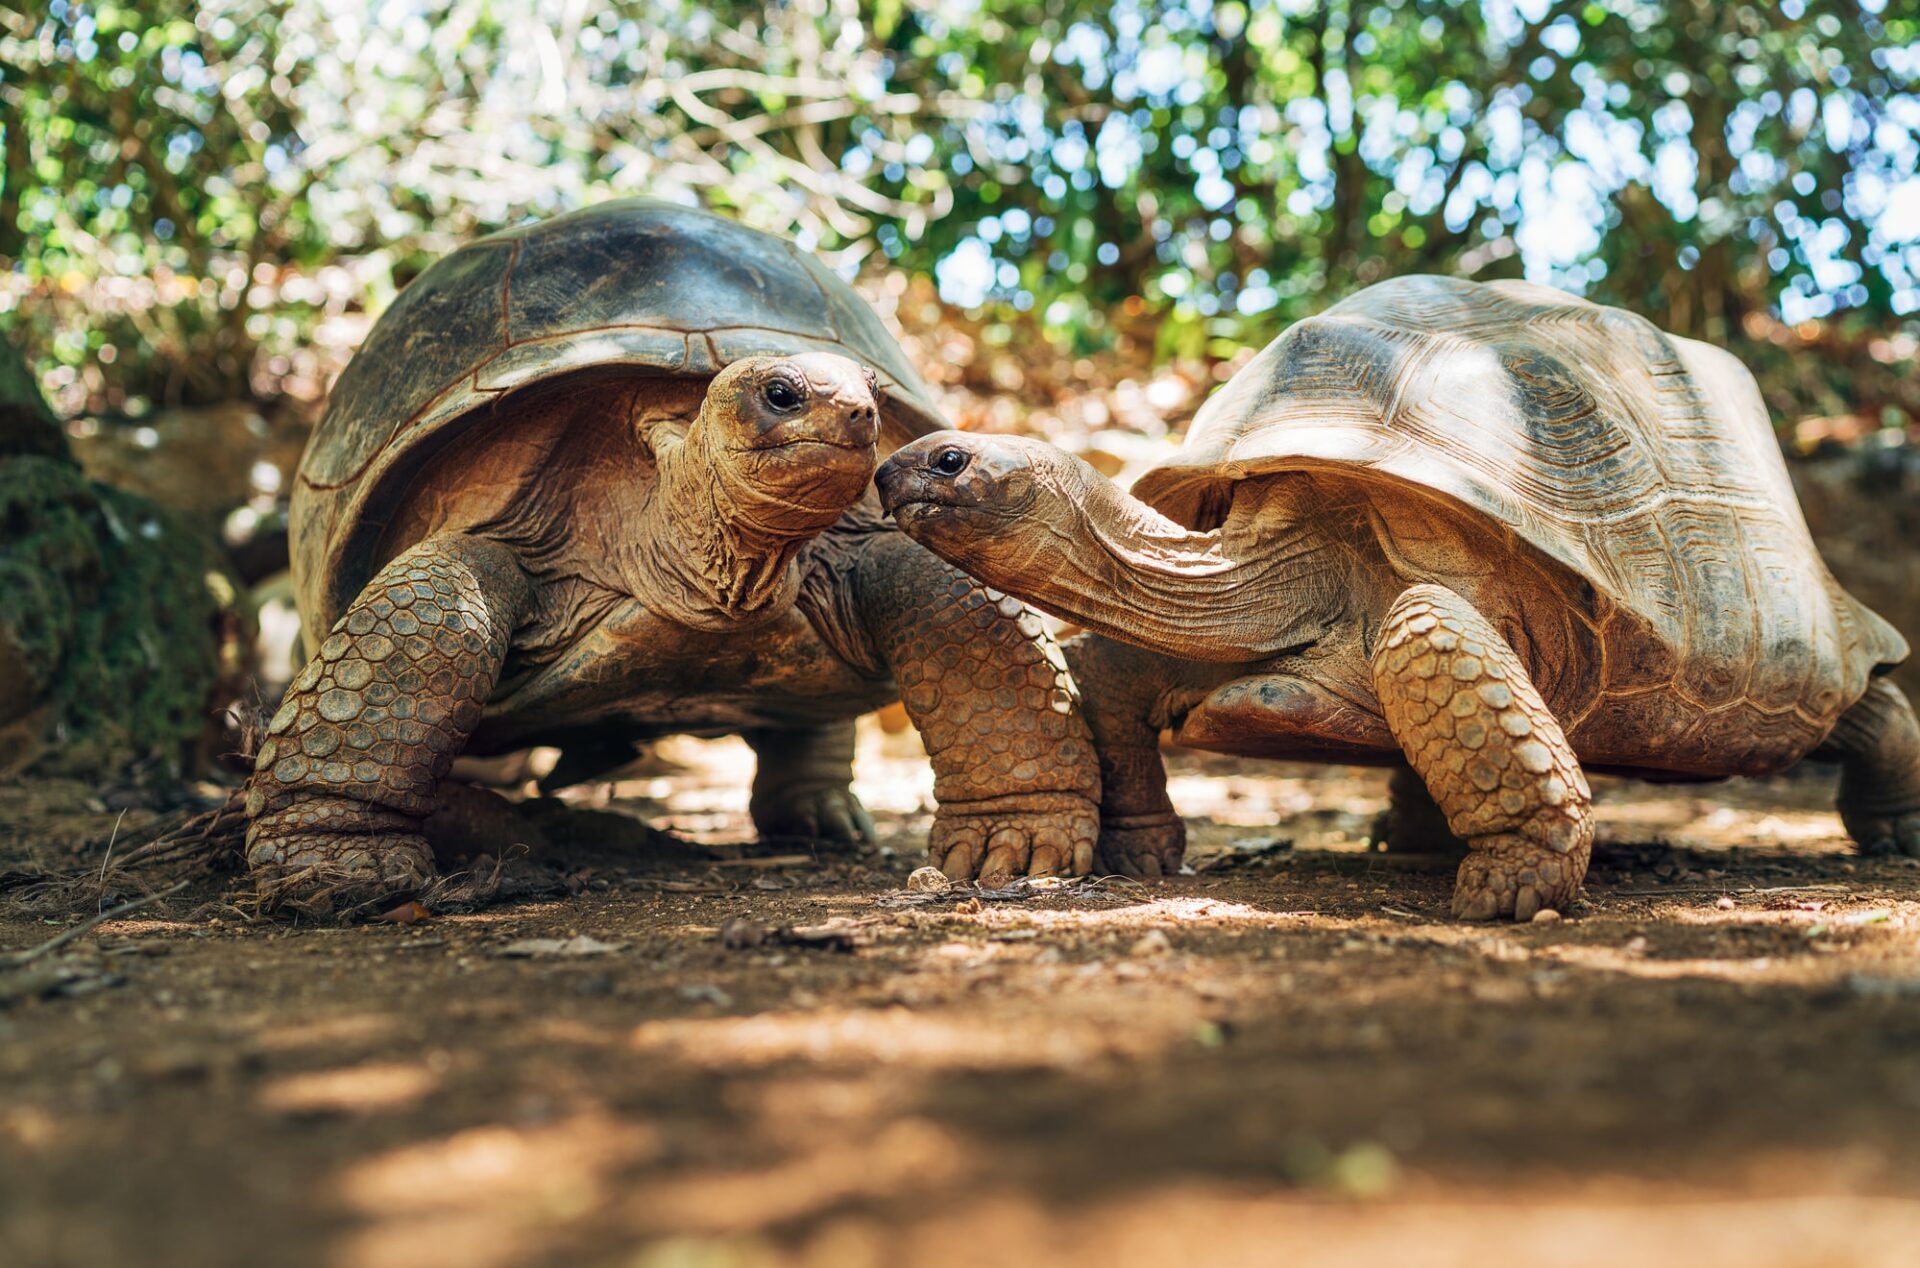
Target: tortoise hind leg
(1878, 743)
(1471, 723)
(348, 771)
(1140, 834)
(1413, 822)
(803, 785)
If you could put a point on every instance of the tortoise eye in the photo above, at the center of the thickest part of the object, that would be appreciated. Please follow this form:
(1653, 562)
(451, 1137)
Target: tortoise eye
(781, 395)
(950, 462)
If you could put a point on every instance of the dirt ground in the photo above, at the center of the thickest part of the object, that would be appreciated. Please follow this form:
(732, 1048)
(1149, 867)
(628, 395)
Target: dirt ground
(1291, 1056)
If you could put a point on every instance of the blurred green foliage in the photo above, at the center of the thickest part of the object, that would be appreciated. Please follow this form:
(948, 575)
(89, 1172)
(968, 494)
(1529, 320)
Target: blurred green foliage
(208, 200)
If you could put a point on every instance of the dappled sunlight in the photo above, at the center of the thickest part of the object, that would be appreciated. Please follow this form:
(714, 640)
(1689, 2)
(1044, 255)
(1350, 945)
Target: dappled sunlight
(905, 1159)
(486, 1195)
(335, 1033)
(894, 1036)
(362, 1089)
(1240, 1228)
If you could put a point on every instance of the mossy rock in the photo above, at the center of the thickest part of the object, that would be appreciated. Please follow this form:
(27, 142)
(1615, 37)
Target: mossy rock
(27, 426)
(117, 621)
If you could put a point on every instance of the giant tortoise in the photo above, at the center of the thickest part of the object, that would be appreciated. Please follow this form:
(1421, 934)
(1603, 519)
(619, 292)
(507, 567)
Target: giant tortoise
(1491, 529)
(607, 477)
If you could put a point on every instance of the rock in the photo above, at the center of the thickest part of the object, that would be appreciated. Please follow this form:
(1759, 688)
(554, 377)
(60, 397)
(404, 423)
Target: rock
(122, 629)
(27, 425)
(929, 880)
(1152, 942)
(739, 933)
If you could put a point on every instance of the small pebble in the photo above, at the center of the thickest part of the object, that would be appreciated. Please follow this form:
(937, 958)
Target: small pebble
(1545, 916)
(1724, 903)
(928, 880)
(740, 932)
(1152, 942)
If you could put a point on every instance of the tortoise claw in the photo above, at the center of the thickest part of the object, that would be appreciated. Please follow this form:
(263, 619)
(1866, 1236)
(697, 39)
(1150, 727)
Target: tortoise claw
(813, 813)
(1882, 834)
(996, 847)
(1148, 848)
(338, 873)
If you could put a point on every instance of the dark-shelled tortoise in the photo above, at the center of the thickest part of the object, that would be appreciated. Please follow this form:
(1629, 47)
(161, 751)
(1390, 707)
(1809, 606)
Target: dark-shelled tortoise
(1490, 530)
(608, 477)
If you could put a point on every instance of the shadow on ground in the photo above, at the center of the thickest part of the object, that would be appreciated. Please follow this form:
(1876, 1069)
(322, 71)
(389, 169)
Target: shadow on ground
(1291, 1056)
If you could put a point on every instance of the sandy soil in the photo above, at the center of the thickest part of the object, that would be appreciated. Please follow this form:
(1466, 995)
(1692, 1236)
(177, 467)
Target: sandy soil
(1291, 1056)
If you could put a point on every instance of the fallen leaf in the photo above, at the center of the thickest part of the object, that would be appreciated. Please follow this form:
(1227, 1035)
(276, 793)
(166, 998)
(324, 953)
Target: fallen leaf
(405, 914)
(564, 948)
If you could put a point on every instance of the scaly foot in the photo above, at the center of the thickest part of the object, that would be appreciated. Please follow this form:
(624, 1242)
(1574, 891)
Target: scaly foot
(1145, 847)
(338, 872)
(1031, 835)
(813, 812)
(1510, 876)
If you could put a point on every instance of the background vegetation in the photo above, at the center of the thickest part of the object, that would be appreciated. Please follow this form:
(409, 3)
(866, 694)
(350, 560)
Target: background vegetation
(210, 201)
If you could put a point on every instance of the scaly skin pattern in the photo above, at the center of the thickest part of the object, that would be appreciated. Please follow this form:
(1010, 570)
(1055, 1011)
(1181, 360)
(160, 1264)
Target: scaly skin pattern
(349, 767)
(1877, 742)
(1497, 763)
(802, 785)
(1140, 833)
(1015, 773)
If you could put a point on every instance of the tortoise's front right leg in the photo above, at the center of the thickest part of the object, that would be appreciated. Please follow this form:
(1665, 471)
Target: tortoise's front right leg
(1472, 724)
(349, 767)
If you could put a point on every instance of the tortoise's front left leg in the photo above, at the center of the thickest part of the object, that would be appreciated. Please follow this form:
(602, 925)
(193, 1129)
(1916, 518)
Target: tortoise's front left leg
(1015, 773)
(1472, 724)
(349, 767)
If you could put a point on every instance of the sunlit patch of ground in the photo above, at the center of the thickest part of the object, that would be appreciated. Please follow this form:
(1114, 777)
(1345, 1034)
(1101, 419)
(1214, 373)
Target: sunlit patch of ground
(1290, 1056)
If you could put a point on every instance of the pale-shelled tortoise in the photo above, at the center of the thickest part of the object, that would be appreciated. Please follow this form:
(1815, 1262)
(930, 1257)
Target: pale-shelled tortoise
(1490, 530)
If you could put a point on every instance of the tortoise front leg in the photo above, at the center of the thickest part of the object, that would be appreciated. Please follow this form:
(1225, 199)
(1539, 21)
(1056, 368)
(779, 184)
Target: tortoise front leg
(1496, 761)
(351, 760)
(1878, 743)
(1014, 768)
(803, 785)
(1140, 833)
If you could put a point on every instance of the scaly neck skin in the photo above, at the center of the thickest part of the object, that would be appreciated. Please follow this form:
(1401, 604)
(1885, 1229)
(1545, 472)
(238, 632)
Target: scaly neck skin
(1267, 581)
(714, 550)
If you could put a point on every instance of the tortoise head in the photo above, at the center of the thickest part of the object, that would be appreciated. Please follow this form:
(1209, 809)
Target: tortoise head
(792, 431)
(1042, 525)
(976, 500)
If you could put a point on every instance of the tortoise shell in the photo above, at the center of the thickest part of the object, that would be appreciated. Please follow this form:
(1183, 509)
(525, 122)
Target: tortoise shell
(1640, 464)
(635, 285)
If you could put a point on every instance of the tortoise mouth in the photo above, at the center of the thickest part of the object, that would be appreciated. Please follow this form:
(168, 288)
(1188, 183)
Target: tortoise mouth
(800, 442)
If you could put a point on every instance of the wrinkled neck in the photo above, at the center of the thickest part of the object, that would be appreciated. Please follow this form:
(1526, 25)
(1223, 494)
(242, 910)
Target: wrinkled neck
(716, 550)
(1262, 583)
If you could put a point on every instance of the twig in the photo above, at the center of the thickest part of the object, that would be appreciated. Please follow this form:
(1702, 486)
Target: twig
(59, 940)
(108, 858)
(1722, 889)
